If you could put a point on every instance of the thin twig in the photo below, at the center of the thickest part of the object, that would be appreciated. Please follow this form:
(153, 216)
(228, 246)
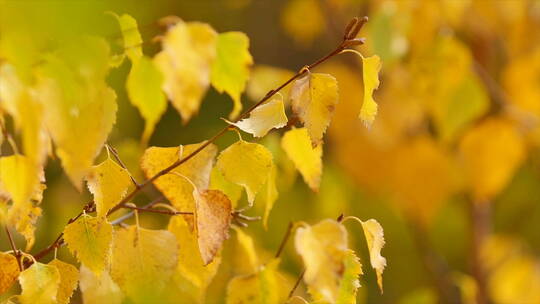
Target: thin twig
(285, 239)
(297, 283)
(16, 251)
(150, 210)
(132, 213)
(121, 163)
(344, 44)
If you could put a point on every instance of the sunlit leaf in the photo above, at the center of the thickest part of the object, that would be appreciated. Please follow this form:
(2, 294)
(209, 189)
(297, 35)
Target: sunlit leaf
(143, 86)
(262, 287)
(370, 71)
(219, 182)
(230, 70)
(375, 241)
(189, 50)
(307, 159)
(264, 118)
(108, 182)
(246, 164)
(9, 271)
(80, 107)
(89, 239)
(323, 248)
(99, 289)
(143, 261)
(131, 36)
(314, 98)
(69, 279)
(40, 284)
(173, 185)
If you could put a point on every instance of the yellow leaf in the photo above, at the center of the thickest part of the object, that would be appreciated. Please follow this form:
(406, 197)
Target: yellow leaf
(491, 152)
(19, 178)
(262, 287)
(230, 70)
(40, 284)
(176, 188)
(108, 182)
(143, 261)
(213, 217)
(99, 289)
(375, 241)
(189, 50)
(303, 20)
(314, 98)
(19, 101)
(246, 164)
(9, 271)
(80, 107)
(323, 248)
(143, 87)
(264, 118)
(130, 33)
(307, 159)
(247, 254)
(218, 182)
(349, 283)
(190, 264)
(69, 278)
(268, 195)
(89, 239)
(370, 73)
(265, 78)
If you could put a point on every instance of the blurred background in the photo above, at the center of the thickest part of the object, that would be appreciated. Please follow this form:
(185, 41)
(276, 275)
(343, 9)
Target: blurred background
(450, 168)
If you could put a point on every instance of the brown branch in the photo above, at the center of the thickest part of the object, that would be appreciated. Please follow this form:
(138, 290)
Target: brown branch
(16, 251)
(285, 239)
(132, 213)
(346, 42)
(297, 283)
(150, 210)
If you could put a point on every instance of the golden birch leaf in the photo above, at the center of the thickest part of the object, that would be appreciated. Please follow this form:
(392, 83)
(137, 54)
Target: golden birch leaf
(213, 216)
(40, 284)
(143, 87)
(246, 164)
(262, 287)
(370, 71)
(375, 241)
(24, 218)
(308, 160)
(314, 98)
(246, 253)
(89, 239)
(19, 101)
(231, 190)
(81, 107)
(108, 182)
(349, 283)
(99, 289)
(131, 36)
(69, 278)
(491, 151)
(20, 181)
(297, 300)
(323, 248)
(19, 178)
(264, 118)
(268, 195)
(190, 263)
(230, 70)
(143, 261)
(264, 78)
(9, 271)
(176, 188)
(189, 50)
